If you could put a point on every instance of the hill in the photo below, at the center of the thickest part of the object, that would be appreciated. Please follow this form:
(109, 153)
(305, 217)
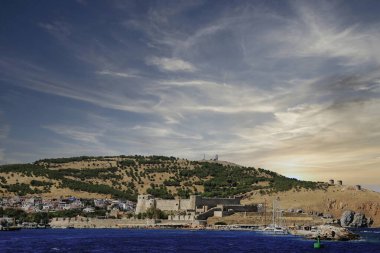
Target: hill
(128, 176)
(333, 200)
(125, 177)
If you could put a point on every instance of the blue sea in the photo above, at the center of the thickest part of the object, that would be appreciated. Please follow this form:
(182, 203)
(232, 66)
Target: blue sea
(139, 240)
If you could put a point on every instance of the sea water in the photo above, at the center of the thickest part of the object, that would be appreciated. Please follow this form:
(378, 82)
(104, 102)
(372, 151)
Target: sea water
(141, 240)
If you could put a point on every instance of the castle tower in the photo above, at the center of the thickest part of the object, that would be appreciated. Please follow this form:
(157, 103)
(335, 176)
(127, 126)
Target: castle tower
(340, 182)
(195, 200)
(358, 187)
(331, 181)
(143, 203)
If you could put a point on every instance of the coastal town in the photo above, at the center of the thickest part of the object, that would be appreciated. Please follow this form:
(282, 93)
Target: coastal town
(39, 204)
(37, 212)
(194, 213)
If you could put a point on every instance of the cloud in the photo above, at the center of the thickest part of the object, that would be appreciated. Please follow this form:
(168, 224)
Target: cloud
(76, 133)
(58, 29)
(317, 32)
(117, 74)
(27, 75)
(150, 131)
(319, 138)
(170, 64)
(293, 89)
(190, 83)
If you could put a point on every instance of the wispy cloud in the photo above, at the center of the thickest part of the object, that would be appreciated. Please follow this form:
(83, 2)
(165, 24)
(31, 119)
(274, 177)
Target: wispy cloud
(57, 28)
(170, 64)
(21, 74)
(190, 83)
(292, 88)
(76, 133)
(117, 74)
(318, 33)
(149, 131)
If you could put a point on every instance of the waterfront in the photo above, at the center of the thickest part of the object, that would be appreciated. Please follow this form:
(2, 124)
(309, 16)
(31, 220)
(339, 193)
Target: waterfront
(141, 240)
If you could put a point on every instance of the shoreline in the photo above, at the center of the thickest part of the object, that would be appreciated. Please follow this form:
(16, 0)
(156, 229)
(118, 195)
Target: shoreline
(324, 232)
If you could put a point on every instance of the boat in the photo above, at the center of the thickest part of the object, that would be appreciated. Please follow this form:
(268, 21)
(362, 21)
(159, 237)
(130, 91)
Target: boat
(274, 228)
(43, 226)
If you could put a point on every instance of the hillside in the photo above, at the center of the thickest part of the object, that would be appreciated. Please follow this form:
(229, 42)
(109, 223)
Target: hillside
(332, 200)
(128, 176)
(125, 177)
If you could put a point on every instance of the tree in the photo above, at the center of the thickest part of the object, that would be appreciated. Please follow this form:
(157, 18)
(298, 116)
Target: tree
(155, 213)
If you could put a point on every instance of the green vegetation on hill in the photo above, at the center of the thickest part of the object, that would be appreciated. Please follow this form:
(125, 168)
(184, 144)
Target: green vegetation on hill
(30, 170)
(21, 189)
(107, 173)
(61, 175)
(71, 159)
(98, 188)
(160, 192)
(127, 176)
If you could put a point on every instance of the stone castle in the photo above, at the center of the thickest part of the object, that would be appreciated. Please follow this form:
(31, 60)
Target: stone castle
(195, 203)
(195, 207)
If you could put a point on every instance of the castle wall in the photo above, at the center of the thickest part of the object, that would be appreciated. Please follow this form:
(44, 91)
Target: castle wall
(186, 204)
(212, 202)
(181, 217)
(168, 204)
(146, 201)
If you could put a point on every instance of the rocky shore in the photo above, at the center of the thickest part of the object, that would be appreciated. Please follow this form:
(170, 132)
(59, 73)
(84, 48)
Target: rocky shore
(327, 232)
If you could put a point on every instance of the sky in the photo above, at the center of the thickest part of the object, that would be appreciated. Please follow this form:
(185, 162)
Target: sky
(289, 86)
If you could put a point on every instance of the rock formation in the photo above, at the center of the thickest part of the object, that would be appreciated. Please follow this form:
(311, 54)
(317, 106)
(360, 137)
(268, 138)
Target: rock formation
(351, 219)
(336, 233)
(328, 232)
(347, 218)
(359, 220)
